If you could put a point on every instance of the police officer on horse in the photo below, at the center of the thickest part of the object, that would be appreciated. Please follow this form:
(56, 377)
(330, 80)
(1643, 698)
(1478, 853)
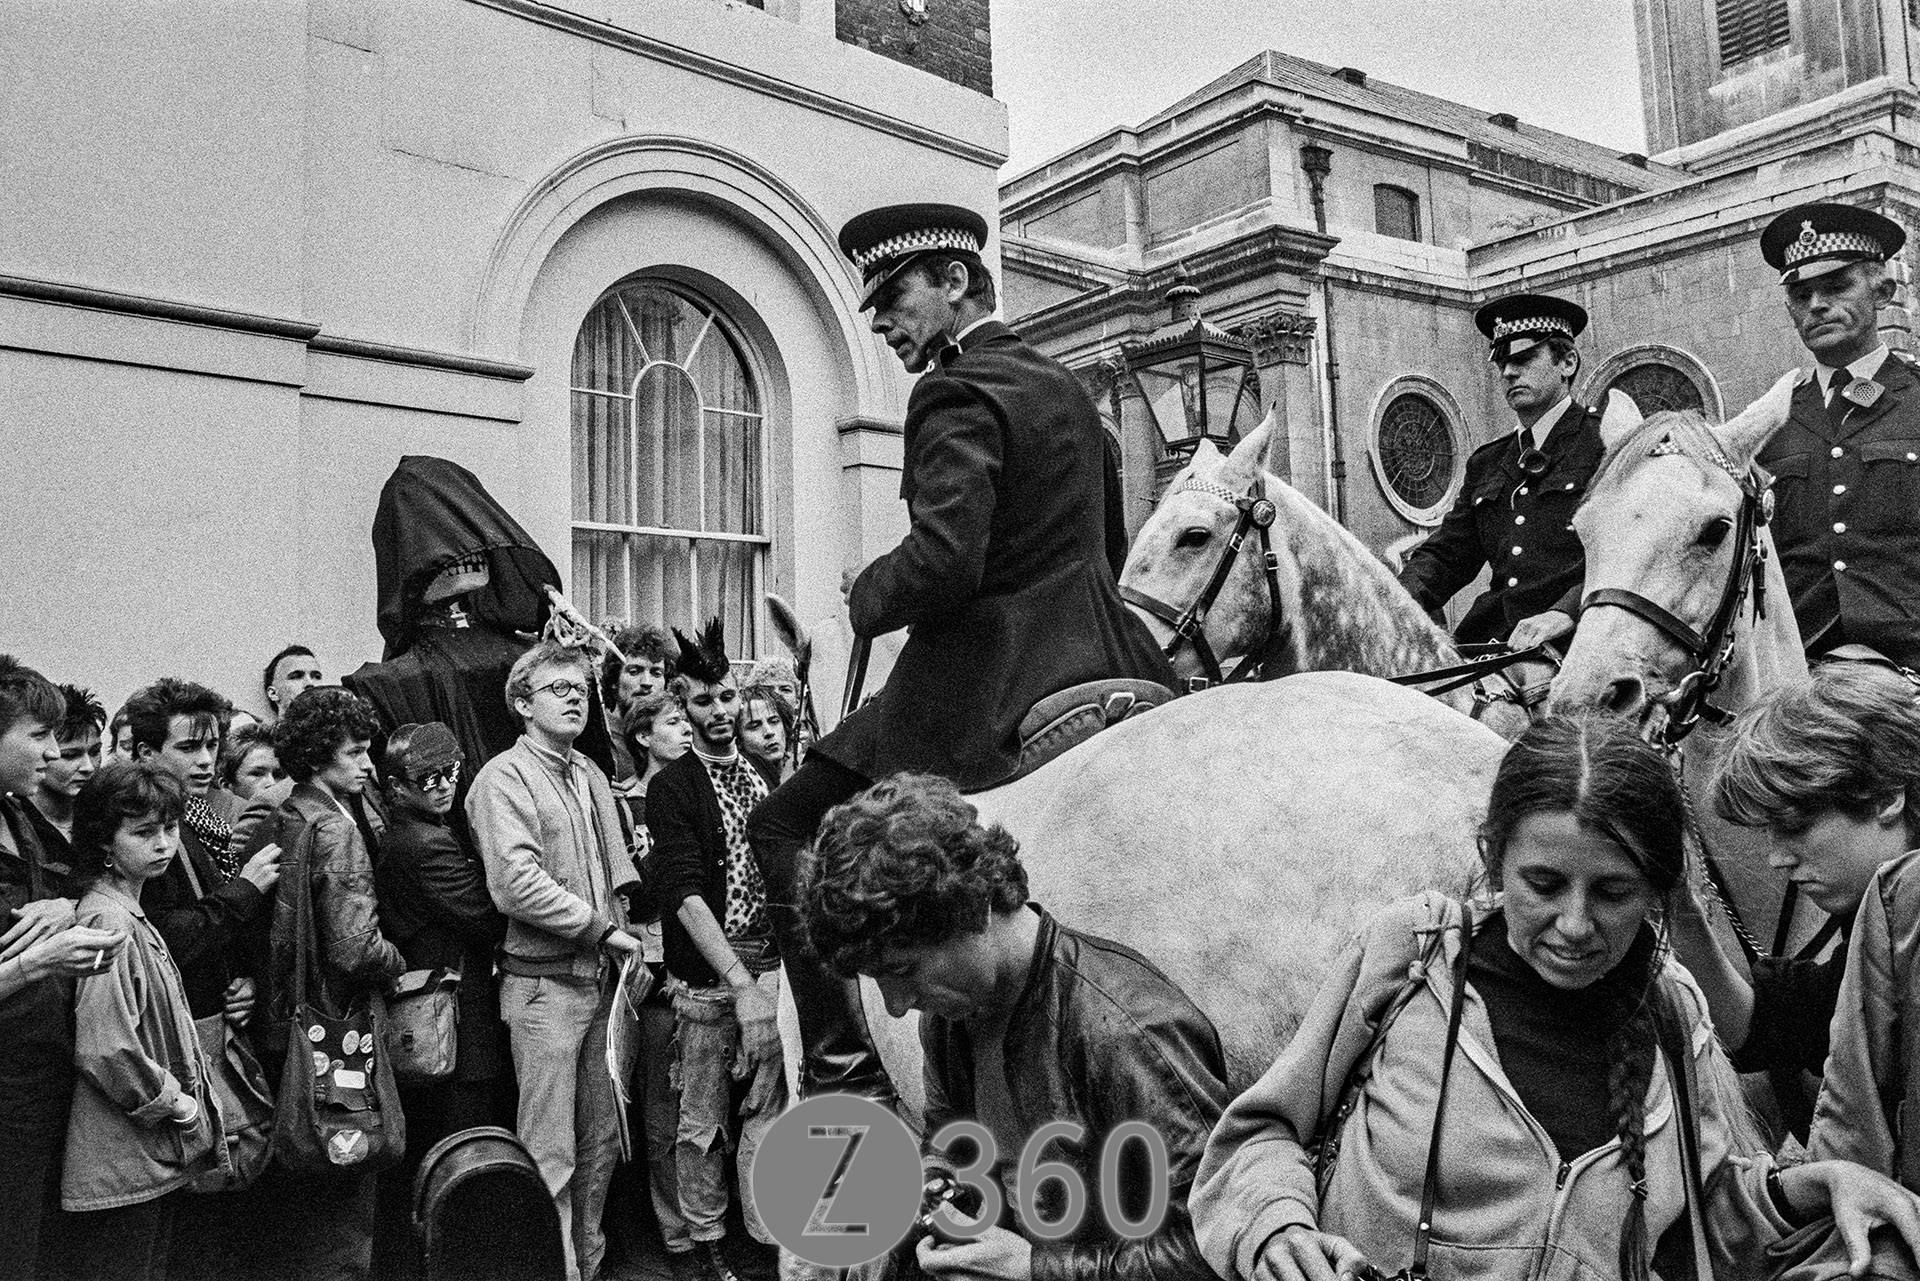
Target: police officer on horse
(1514, 514)
(1005, 581)
(1846, 465)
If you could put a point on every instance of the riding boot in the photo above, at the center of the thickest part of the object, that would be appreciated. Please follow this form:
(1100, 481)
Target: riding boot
(839, 1057)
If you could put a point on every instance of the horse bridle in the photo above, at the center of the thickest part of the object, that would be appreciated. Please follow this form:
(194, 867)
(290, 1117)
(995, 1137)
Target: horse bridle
(1712, 650)
(1257, 512)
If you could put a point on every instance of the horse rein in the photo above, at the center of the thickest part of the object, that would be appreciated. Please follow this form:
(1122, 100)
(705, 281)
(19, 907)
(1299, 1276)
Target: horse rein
(1710, 651)
(1257, 512)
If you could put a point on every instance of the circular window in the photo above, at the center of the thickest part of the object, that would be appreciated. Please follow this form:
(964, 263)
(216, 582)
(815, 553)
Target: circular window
(1657, 387)
(1416, 452)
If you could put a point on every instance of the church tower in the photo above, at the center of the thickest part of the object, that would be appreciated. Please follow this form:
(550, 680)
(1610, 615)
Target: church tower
(1709, 68)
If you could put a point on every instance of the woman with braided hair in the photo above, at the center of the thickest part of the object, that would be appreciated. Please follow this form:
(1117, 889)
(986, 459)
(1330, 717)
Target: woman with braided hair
(1523, 1087)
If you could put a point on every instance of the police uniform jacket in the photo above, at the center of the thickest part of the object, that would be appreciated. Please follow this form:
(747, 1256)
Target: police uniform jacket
(1520, 525)
(1847, 517)
(1005, 580)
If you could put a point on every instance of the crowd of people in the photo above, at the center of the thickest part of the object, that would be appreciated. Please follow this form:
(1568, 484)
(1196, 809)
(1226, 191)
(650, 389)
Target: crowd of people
(253, 969)
(147, 965)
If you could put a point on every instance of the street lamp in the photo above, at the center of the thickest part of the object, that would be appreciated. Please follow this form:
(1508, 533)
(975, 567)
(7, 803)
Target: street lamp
(1198, 380)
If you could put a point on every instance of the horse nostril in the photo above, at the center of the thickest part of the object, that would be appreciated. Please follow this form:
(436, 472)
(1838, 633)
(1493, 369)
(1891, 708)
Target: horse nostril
(1623, 695)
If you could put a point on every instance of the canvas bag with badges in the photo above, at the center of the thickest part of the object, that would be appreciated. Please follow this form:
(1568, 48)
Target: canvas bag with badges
(339, 1104)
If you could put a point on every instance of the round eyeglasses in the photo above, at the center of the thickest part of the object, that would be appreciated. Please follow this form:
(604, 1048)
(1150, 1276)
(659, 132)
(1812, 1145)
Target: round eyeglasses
(564, 689)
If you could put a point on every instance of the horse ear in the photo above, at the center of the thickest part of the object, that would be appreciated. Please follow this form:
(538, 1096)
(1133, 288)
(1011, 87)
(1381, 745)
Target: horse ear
(1205, 453)
(1621, 416)
(1273, 456)
(1250, 455)
(1744, 434)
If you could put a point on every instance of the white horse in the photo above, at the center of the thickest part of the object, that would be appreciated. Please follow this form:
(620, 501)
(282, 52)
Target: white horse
(1661, 522)
(1339, 607)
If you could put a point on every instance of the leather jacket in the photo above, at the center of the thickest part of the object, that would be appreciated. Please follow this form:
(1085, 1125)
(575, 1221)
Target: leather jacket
(1098, 1036)
(355, 956)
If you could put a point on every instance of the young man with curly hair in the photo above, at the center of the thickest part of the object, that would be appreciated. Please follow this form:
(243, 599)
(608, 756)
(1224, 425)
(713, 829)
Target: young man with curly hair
(548, 831)
(1024, 1021)
(324, 1225)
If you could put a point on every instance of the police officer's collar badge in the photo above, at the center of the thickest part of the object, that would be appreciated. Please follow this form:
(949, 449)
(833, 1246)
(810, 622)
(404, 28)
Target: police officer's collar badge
(1516, 323)
(1862, 392)
(1813, 240)
(882, 243)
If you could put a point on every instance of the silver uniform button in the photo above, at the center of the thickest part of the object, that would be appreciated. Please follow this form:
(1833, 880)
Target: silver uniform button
(1840, 566)
(1516, 549)
(1513, 582)
(1525, 490)
(1839, 489)
(1839, 452)
(1839, 526)
(1519, 520)
(1911, 456)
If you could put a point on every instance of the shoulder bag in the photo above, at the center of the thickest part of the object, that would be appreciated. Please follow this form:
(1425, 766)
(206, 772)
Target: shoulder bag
(339, 1104)
(422, 1028)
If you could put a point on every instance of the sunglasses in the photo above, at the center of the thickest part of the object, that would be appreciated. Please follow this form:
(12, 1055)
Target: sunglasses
(448, 777)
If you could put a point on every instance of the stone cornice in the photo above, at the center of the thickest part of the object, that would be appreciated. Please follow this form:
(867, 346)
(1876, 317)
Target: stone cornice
(1875, 104)
(420, 357)
(186, 313)
(1640, 244)
(1137, 297)
(732, 73)
(306, 332)
(1374, 282)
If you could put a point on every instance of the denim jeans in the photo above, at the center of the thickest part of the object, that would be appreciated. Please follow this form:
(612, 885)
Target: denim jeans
(558, 1031)
(706, 1045)
(660, 1112)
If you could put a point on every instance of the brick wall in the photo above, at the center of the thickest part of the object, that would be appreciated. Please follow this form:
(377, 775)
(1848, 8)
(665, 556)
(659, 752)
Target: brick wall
(953, 42)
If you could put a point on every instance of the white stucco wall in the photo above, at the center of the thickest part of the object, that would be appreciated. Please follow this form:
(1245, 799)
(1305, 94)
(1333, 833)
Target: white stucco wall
(253, 253)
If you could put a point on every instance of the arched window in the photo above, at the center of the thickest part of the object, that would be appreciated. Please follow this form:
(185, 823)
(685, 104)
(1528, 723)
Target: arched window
(1655, 387)
(1396, 212)
(1419, 449)
(669, 520)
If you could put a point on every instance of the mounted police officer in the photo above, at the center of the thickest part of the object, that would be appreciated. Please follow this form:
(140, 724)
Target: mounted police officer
(1515, 511)
(1005, 579)
(1846, 465)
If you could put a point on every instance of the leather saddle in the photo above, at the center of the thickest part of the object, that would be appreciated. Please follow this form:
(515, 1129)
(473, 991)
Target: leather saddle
(1069, 718)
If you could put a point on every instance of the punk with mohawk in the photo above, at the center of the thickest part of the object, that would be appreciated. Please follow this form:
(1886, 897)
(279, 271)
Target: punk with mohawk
(705, 659)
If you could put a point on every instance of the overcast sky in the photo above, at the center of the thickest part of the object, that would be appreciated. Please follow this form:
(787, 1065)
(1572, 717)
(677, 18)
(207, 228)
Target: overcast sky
(1070, 70)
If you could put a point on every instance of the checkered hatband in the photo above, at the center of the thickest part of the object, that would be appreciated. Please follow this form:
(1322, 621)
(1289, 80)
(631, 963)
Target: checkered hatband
(1530, 325)
(913, 242)
(1811, 244)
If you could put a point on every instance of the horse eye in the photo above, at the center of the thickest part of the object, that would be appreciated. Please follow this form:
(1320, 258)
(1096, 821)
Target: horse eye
(1195, 537)
(1715, 533)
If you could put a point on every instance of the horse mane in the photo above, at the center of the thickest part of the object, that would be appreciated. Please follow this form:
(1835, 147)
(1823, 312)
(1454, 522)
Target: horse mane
(1687, 429)
(1352, 613)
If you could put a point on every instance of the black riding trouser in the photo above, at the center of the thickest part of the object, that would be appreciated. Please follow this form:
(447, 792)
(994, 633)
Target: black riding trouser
(838, 1052)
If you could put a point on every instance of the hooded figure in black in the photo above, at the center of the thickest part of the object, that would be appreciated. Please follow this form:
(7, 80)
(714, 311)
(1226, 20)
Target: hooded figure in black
(462, 591)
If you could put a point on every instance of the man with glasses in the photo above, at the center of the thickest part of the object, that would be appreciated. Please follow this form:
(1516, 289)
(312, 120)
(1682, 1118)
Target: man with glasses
(1514, 513)
(549, 835)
